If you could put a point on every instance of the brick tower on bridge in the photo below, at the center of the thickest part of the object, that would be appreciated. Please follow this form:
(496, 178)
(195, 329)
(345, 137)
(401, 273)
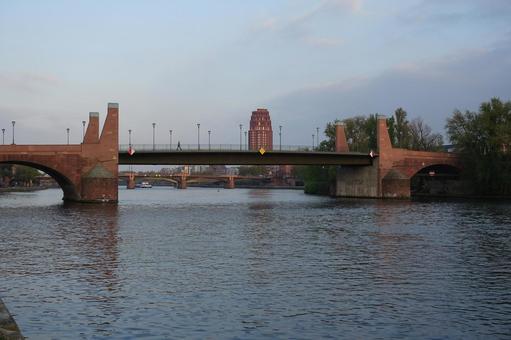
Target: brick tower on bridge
(260, 134)
(86, 172)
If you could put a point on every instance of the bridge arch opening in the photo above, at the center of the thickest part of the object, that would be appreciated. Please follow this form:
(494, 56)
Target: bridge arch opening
(68, 187)
(438, 179)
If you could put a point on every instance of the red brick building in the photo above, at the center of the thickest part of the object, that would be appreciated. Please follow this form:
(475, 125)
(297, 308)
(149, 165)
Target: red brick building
(260, 134)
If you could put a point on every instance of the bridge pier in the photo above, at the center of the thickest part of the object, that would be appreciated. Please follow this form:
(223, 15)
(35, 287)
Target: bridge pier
(99, 176)
(353, 181)
(181, 182)
(230, 184)
(131, 182)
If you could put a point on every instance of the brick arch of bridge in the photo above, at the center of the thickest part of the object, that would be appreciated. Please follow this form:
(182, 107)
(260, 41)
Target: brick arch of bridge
(390, 174)
(86, 172)
(396, 167)
(65, 175)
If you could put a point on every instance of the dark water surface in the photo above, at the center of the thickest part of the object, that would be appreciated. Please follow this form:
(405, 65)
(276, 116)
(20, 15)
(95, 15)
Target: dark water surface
(203, 263)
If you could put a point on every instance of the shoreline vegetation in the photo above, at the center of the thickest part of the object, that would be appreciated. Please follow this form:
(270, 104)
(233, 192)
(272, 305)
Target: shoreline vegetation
(24, 189)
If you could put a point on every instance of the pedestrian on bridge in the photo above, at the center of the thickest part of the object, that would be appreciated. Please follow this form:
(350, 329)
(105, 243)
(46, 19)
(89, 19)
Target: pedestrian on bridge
(179, 146)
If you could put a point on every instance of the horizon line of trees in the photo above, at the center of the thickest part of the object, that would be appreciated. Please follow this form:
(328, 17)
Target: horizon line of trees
(361, 133)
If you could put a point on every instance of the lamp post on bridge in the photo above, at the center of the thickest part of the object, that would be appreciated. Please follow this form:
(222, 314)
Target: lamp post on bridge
(83, 130)
(13, 123)
(246, 144)
(170, 140)
(209, 140)
(280, 137)
(317, 137)
(198, 136)
(67, 130)
(313, 142)
(129, 138)
(241, 127)
(154, 140)
(3, 136)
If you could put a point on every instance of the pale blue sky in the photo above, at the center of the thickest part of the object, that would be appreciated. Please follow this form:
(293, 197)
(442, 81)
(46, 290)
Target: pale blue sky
(181, 62)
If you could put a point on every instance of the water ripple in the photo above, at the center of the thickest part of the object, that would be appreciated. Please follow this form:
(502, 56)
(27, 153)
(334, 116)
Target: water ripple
(236, 264)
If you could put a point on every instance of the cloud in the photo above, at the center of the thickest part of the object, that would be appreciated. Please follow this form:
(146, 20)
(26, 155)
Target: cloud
(301, 26)
(431, 90)
(323, 42)
(26, 82)
(454, 11)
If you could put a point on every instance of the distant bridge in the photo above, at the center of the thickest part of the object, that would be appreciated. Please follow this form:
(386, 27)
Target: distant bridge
(181, 180)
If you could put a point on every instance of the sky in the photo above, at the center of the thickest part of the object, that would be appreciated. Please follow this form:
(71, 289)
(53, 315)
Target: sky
(179, 63)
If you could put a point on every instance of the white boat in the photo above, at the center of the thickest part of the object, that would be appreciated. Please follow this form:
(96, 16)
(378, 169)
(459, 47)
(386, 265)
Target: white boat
(144, 185)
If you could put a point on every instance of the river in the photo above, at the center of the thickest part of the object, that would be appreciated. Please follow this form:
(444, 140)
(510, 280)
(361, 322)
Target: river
(231, 264)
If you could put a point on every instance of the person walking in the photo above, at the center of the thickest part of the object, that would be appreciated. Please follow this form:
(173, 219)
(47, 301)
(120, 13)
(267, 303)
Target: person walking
(179, 146)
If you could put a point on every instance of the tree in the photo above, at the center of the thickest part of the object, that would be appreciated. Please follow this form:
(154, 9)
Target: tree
(402, 129)
(329, 143)
(421, 137)
(484, 140)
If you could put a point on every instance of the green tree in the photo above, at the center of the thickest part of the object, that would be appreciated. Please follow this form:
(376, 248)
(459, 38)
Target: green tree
(484, 141)
(401, 129)
(25, 174)
(329, 143)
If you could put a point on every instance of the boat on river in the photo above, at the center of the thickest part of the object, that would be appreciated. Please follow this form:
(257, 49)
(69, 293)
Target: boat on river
(144, 185)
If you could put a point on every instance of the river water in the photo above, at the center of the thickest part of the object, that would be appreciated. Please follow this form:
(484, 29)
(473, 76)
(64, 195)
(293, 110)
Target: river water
(231, 264)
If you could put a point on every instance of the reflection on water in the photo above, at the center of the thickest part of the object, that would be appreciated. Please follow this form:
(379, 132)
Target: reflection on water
(170, 263)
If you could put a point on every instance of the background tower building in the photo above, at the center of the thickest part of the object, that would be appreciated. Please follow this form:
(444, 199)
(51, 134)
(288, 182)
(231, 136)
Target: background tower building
(260, 134)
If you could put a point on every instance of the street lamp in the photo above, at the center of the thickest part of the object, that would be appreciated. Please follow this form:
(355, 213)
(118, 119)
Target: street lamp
(198, 136)
(241, 127)
(13, 123)
(170, 140)
(209, 140)
(312, 141)
(154, 140)
(129, 138)
(3, 136)
(246, 146)
(317, 137)
(67, 130)
(83, 130)
(280, 137)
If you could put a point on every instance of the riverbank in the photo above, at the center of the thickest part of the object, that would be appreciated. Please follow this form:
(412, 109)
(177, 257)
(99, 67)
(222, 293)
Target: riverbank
(22, 189)
(8, 328)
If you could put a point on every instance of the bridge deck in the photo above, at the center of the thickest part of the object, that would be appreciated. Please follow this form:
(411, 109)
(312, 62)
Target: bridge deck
(244, 158)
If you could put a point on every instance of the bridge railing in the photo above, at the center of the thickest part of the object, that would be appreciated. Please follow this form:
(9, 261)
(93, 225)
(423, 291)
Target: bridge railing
(206, 147)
